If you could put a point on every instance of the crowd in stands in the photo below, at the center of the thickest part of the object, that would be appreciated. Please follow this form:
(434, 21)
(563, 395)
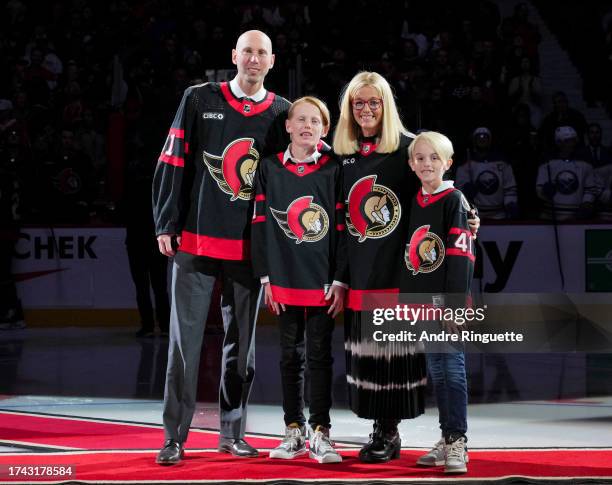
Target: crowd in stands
(87, 91)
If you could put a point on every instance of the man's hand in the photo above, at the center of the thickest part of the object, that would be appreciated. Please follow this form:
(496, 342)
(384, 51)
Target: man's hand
(272, 305)
(165, 244)
(336, 295)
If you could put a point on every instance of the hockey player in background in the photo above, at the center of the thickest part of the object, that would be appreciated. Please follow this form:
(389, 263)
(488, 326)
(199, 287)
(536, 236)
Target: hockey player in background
(488, 180)
(299, 254)
(439, 262)
(567, 185)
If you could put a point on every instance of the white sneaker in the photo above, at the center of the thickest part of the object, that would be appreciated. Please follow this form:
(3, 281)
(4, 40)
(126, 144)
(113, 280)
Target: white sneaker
(321, 448)
(435, 456)
(456, 456)
(293, 444)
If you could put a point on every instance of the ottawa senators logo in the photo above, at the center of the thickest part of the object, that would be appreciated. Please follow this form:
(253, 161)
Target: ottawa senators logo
(303, 221)
(68, 182)
(373, 210)
(234, 170)
(425, 252)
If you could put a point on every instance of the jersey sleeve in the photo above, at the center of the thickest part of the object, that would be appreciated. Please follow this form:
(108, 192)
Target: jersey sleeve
(258, 223)
(277, 138)
(459, 250)
(174, 166)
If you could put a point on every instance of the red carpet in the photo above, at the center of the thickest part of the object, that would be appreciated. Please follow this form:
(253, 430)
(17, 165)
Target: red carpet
(134, 467)
(88, 434)
(137, 466)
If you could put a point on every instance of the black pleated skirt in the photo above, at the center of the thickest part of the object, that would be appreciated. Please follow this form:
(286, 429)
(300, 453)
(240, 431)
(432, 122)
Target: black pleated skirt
(385, 381)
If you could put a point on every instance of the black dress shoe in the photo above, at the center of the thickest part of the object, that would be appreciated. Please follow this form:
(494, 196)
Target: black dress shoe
(237, 447)
(384, 444)
(171, 454)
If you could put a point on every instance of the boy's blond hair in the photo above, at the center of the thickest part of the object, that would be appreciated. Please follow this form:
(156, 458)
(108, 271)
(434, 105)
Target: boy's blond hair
(316, 102)
(346, 136)
(440, 144)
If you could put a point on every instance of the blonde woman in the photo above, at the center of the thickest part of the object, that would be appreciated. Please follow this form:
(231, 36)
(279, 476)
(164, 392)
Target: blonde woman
(386, 382)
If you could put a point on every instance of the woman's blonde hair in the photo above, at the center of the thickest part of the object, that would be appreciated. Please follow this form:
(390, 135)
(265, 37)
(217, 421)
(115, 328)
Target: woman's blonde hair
(440, 144)
(346, 136)
(316, 102)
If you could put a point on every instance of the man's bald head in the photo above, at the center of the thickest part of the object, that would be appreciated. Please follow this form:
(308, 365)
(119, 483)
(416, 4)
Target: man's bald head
(253, 57)
(254, 36)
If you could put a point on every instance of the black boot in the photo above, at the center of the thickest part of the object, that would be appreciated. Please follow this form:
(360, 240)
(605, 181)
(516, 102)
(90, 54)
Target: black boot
(384, 444)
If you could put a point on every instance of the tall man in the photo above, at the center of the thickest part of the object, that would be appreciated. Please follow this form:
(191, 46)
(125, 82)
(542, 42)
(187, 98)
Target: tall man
(203, 202)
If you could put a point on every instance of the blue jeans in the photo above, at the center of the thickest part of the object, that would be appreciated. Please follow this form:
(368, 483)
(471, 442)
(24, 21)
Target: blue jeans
(447, 373)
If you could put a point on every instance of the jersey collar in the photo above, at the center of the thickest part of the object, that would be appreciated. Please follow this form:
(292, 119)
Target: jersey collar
(239, 93)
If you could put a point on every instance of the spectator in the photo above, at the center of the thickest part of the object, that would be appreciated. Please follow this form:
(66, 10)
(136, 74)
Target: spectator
(486, 19)
(526, 88)
(36, 77)
(11, 313)
(480, 112)
(561, 115)
(215, 51)
(409, 55)
(524, 150)
(486, 64)
(594, 152)
(519, 25)
(69, 183)
(148, 267)
(73, 109)
(435, 114)
(91, 141)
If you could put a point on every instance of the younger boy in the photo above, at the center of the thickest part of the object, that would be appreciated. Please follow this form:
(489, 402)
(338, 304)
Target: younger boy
(439, 260)
(297, 236)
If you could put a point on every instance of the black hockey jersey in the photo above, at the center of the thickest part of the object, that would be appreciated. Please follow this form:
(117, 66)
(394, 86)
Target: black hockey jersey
(203, 184)
(439, 256)
(377, 192)
(298, 228)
